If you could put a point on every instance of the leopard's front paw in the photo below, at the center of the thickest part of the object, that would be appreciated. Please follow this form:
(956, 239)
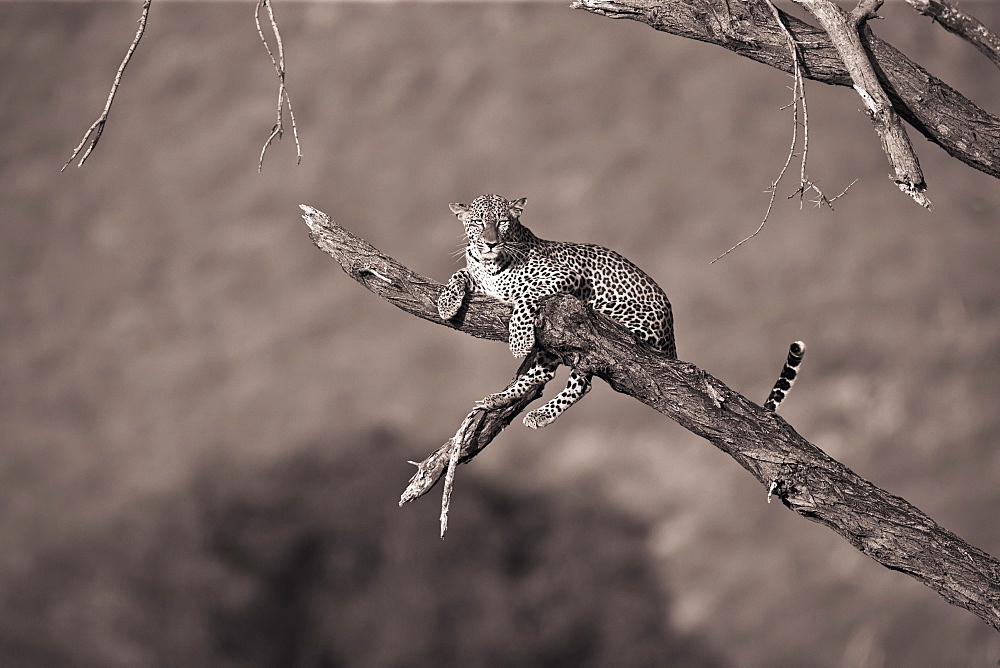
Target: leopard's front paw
(448, 304)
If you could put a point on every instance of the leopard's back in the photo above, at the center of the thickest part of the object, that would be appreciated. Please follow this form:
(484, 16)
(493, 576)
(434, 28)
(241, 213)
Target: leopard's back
(603, 279)
(613, 285)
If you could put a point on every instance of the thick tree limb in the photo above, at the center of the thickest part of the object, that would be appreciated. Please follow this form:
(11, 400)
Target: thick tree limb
(747, 27)
(963, 24)
(808, 481)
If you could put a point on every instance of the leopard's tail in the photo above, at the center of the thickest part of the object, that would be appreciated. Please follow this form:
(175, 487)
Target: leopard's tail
(796, 352)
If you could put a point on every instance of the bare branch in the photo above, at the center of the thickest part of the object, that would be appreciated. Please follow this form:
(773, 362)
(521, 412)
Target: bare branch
(279, 68)
(808, 481)
(483, 426)
(748, 28)
(963, 24)
(843, 30)
(798, 102)
(798, 98)
(93, 134)
(455, 445)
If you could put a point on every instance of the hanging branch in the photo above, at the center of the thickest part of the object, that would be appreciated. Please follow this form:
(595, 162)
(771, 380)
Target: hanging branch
(963, 24)
(808, 481)
(93, 134)
(279, 68)
(798, 103)
(748, 28)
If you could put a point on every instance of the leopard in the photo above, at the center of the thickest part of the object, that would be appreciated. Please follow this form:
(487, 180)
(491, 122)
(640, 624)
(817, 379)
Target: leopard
(506, 261)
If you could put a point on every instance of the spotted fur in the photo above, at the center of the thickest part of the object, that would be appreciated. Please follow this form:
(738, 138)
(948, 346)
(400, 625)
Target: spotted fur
(506, 261)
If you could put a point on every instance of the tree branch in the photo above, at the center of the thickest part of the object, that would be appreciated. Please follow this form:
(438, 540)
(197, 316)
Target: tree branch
(283, 98)
(844, 32)
(808, 481)
(963, 24)
(748, 28)
(94, 132)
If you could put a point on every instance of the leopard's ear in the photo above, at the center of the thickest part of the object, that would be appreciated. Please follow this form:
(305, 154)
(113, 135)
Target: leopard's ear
(516, 207)
(459, 209)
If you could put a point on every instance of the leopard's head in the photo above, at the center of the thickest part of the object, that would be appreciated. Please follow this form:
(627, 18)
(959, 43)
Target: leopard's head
(492, 227)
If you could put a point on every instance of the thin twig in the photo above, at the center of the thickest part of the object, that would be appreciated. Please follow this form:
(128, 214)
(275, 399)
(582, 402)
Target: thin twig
(798, 100)
(93, 134)
(279, 68)
(821, 199)
(798, 96)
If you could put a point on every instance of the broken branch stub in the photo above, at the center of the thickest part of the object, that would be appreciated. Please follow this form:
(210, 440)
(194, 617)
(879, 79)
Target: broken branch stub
(844, 31)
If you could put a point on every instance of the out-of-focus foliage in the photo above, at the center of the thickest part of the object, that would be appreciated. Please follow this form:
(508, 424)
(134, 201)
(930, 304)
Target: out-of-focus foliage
(309, 562)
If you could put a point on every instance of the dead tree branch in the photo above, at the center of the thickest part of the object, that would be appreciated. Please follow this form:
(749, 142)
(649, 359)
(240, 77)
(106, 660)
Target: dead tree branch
(93, 134)
(283, 99)
(963, 24)
(748, 28)
(845, 32)
(809, 482)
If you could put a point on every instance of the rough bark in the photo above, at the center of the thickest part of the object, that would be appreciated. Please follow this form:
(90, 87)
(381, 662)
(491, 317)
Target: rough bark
(959, 22)
(808, 481)
(749, 28)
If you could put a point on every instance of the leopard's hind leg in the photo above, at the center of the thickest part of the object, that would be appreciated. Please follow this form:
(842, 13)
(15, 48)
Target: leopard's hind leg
(539, 373)
(577, 386)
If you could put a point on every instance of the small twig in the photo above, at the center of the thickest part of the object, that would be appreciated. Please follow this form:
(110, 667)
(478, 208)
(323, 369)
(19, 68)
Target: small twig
(760, 227)
(279, 67)
(821, 199)
(798, 97)
(93, 134)
(960, 23)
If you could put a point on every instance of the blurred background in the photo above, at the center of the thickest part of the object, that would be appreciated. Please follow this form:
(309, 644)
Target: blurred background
(205, 423)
